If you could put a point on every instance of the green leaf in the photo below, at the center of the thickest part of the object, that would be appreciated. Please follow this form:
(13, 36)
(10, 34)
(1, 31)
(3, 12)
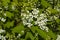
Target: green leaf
(52, 11)
(33, 29)
(45, 3)
(58, 21)
(58, 27)
(52, 35)
(9, 14)
(18, 29)
(29, 35)
(43, 34)
(5, 2)
(9, 24)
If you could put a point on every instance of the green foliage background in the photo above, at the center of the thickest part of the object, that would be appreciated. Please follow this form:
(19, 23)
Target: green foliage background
(14, 26)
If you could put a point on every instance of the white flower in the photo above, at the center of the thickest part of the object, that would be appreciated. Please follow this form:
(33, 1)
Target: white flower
(36, 16)
(23, 14)
(2, 37)
(42, 27)
(58, 37)
(41, 15)
(41, 19)
(27, 11)
(45, 20)
(36, 22)
(41, 23)
(3, 19)
(29, 25)
(24, 22)
(35, 11)
(1, 31)
(30, 15)
(30, 20)
(27, 17)
(18, 35)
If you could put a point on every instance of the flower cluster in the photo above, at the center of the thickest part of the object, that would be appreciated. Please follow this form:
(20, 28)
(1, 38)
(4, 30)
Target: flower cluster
(2, 37)
(35, 18)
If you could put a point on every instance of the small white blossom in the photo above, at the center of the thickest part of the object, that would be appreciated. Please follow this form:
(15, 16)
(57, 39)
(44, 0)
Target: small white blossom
(42, 27)
(35, 11)
(27, 16)
(24, 22)
(35, 16)
(2, 37)
(2, 19)
(27, 11)
(41, 15)
(1, 31)
(45, 20)
(29, 24)
(18, 35)
(23, 14)
(30, 20)
(58, 37)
